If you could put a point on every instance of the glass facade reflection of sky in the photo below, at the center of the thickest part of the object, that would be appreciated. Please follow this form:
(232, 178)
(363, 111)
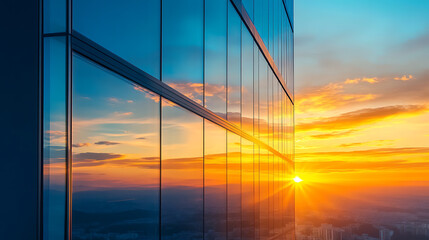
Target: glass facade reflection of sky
(182, 173)
(115, 156)
(145, 165)
(130, 29)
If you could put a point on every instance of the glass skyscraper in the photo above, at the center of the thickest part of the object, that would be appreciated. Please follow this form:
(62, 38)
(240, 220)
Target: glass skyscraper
(158, 119)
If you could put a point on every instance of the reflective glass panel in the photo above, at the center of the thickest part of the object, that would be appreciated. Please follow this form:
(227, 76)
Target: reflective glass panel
(261, 19)
(115, 156)
(54, 16)
(263, 99)
(54, 138)
(247, 81)
(129, 29)
(214, 181)
(234, 185)
(215, 55)
(182, 173)
(234, 66)
(182, 46)
(248, 5)
(264, 194)
(247, 190)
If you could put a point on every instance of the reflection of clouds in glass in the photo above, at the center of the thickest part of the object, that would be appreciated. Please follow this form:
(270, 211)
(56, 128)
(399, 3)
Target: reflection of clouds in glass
(95, 156)
(55, 137)
(193, 91)
(106, 143)
(77, 145)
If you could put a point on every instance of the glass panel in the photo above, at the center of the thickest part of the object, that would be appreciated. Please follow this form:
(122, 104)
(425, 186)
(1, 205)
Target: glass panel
(130, 29)
(256, 121)
(215, 55)
(247, 81)
(289, 204)
(263, 99)
(214, 181)
(270, 45)
(54, 138)
(276, 35)
(182, 173)
(234, 185)
(264, 194)
(261, 19)
(247, 192)
(54, 16)
(248, 5)
(234, 66)
(289, 7)
(182, 46)
(257, 195)
(115, 156)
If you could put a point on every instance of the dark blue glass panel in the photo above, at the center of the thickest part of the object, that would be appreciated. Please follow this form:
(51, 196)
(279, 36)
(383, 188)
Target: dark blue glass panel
(130, 29)
(182, 46)
(215, 55)
(214, 182)
(247, 81)
(234, 66)
(182, 173)
(116, 162)
(234, 186)
(54, 16)
(54, 137)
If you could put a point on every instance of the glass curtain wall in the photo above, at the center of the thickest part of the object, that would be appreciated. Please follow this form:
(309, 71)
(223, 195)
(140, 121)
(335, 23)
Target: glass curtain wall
(124, 160)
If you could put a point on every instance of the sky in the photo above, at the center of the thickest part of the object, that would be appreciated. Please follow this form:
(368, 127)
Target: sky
(362, 91)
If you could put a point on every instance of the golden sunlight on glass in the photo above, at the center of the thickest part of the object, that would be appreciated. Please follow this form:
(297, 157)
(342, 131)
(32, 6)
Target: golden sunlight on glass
(298, 179)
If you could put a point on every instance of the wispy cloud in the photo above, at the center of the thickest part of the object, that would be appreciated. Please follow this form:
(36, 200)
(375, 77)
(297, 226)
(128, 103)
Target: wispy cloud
(108, 143)
(95, 156)
(368, 143)
(361, 117)
(335, 134)
(78, 145)
(404, 78)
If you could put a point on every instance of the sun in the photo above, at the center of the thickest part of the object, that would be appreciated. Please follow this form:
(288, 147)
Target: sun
(298, 179)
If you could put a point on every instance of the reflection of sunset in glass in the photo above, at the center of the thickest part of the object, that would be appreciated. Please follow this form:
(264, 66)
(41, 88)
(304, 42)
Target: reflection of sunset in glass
(297, 179)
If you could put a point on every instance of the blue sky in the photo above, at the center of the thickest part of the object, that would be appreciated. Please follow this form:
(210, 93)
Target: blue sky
(339, 39)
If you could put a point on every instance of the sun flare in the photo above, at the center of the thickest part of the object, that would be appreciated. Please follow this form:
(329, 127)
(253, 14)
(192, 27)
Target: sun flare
(298, 179)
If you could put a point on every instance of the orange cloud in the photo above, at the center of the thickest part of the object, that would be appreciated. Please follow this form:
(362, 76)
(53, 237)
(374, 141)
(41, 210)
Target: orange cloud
(370, 143)
(348, 166)
(361, 117)
(328, 97)
(377, 152)
(404, 78)
(336, 134)
(370, 80)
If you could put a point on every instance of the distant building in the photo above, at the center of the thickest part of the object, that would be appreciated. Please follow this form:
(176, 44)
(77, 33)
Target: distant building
(385, 234)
